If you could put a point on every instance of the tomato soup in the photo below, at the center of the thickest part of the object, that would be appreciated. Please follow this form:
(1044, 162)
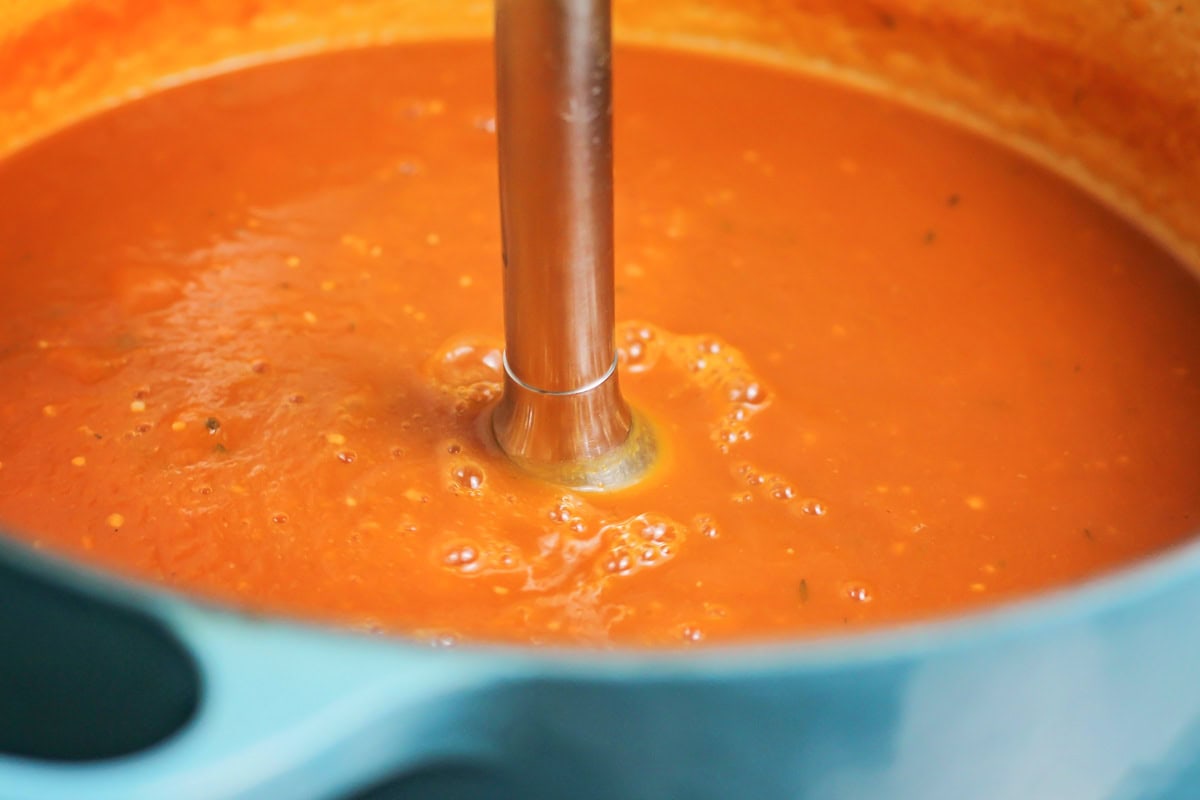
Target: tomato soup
(250, 337)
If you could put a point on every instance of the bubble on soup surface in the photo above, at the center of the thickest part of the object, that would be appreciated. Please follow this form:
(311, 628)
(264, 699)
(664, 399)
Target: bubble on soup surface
(707, 526)
(639, 542)
(725, 375)
(462, 556)
(567, 512)
(748, 392)
(470, 367)
(857, 591)
(752, 476)
(813, 507)
(638, 346)
(782, 491)
(467, 477)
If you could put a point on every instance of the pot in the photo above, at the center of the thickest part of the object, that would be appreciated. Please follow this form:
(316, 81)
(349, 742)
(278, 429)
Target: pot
(115, 690)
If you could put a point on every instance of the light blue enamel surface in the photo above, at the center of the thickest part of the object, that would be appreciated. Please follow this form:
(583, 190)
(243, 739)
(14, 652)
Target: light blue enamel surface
(1093, 693)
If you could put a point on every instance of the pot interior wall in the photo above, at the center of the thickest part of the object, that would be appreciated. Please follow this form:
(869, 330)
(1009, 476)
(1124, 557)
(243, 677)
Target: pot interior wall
(1108, 93)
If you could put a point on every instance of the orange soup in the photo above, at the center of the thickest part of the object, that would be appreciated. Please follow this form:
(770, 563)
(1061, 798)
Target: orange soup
(250, 336)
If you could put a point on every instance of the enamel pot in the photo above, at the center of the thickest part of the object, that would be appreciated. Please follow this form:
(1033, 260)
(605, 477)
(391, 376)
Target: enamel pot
(113, 690)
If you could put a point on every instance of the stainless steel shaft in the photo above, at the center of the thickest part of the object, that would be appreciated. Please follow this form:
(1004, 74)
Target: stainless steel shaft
(562, 414)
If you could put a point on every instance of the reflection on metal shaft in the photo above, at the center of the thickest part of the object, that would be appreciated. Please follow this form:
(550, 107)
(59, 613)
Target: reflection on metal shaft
(562, 414)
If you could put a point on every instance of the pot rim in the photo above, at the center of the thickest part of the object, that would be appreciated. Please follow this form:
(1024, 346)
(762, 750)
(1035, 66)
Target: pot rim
(1038, 614)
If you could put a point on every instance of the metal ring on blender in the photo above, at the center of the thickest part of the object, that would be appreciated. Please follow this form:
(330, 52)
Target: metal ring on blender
(587, 387)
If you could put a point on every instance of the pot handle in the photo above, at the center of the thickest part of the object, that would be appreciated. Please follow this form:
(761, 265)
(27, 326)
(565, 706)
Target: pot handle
(107, 691)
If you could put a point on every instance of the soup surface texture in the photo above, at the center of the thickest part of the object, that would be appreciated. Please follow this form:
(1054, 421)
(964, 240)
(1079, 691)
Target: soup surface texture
(250, 333)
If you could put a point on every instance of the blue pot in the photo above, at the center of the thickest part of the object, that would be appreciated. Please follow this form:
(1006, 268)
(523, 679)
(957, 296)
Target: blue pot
(113, 691)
